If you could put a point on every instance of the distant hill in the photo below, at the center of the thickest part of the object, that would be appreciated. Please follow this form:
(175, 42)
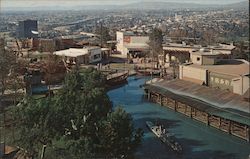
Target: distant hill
(173, 5)
(163, 5)
(140, 6)
(240, 5)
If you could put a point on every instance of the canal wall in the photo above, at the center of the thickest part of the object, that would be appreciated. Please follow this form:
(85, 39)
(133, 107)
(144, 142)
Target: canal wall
(190, 109)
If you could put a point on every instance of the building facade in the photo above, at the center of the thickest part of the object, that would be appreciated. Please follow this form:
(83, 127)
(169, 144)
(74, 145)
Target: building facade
(182, 53)
(225, 74)
(28, 29)
(129, 43)
(87, 55)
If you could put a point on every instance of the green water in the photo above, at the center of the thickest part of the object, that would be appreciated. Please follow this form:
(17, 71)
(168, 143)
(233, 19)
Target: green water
(198, 140)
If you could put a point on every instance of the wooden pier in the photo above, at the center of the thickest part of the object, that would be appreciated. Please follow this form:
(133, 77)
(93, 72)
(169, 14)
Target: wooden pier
(199, 111)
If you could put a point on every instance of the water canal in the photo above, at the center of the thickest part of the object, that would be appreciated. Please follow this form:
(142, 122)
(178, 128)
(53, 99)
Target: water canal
(198, 140)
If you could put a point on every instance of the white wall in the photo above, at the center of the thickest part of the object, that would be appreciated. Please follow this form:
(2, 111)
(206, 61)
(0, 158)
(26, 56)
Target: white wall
(241, 85)
(95, 52)
(194, 59)
(139, 39)
(119, 40)
(120, 46)
(193, 74)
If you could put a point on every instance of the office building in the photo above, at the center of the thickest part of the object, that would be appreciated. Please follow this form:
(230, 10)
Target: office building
(28, 29)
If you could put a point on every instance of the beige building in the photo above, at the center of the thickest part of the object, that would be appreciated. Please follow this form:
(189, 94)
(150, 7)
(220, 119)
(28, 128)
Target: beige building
(215, 72)
(181, 53)
(129, 43)
(85, 55)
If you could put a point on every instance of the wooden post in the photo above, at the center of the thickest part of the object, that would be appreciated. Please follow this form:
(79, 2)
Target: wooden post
(160, 96)
(191, 112)
(185, 109)
(219, 122)
(163, 101)
(175, 105)
(208, 122)
(229, 127)
(247, 133)
(149, 95)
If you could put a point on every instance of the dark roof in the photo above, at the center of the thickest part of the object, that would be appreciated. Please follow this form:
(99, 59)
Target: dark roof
(191, 94)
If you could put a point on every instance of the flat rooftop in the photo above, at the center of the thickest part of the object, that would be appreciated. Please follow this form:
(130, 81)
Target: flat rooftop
(71, 52)
(218, 47)
(75, 52)
(229, 67)
(214, 101)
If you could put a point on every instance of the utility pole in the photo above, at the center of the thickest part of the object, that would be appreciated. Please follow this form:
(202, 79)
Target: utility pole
(101, 34)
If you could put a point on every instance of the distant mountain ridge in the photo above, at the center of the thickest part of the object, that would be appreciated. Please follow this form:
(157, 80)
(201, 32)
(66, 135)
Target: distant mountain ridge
(243, 4)
(140, 6)
(175, 5)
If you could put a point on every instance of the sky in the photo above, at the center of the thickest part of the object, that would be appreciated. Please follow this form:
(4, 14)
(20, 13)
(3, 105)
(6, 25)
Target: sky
(37, 3)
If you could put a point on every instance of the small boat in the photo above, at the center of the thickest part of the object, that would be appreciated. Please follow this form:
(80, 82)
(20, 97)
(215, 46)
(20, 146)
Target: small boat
(166, 137)
(117, 78)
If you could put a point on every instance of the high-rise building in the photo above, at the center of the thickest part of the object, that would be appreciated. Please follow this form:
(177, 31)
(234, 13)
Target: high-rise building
(28, 29)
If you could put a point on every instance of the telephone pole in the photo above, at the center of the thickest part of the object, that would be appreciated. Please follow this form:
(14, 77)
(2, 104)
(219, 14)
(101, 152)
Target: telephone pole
(101, 34)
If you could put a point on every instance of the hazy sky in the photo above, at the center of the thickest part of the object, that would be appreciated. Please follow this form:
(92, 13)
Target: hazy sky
(28, 3)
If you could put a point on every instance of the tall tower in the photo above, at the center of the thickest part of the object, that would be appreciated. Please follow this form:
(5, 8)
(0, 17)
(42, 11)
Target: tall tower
(26, 29)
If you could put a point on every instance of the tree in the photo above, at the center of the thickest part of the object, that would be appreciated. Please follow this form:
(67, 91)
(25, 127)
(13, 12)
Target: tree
(155, 43)
(81, 116)
(119, 126)
(7, 61)
(34, 122)
(208, 36)
(103, 32)
(54, 70)
(179, 33)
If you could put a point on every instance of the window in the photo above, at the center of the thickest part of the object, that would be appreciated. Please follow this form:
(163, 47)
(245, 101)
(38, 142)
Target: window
(97, 56)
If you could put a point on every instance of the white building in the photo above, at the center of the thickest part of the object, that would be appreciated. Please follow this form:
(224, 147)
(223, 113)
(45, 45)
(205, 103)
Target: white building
(182, 53)
(209, 69)
(86, 55)
(128, 42)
